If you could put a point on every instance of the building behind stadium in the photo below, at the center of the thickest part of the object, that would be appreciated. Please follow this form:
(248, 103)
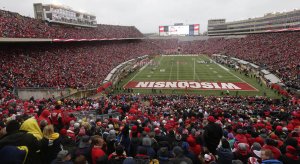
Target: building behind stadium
(271, 22)
(60, 14)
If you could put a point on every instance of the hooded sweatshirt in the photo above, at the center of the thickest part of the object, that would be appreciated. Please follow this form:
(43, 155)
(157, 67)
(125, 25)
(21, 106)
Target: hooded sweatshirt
(45, 116)
(31, 126)
(50, 147)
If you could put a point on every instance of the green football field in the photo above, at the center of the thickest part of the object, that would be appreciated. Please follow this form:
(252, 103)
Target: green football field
(192, 75)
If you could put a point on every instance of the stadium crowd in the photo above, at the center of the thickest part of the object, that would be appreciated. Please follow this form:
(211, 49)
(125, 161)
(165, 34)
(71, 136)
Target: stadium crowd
(168, 129)
(81, 65)
(14, 25)
(276, 52)
(151, 129)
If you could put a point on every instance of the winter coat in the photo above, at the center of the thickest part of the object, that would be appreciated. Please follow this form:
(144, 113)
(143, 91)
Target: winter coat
(97, 153)
(134, 143)
(31, 126)
(150, 151)
(271, 161)
(181, 159)
(290, 159)
(50, 147)
(194, 147)
(225, 156)
(23, 138)
(212, 135)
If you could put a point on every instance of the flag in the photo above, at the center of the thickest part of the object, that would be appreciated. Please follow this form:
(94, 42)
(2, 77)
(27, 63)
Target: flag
(161, 29)
(196, 27)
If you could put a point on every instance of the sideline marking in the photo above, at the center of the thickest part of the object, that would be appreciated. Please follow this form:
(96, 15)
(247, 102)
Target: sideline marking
(233, 74)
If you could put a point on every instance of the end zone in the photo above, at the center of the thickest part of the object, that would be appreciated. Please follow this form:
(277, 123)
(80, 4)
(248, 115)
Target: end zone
(192, 85)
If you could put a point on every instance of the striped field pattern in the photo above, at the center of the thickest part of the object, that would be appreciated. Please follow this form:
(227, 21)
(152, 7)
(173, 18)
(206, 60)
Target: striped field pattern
(195, 68)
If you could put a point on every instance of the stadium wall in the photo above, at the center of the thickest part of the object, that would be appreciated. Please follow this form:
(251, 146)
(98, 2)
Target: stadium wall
(27, 93)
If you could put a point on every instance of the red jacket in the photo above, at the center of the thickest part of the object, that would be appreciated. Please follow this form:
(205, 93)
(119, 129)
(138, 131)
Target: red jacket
(97, 153)
(194, 147)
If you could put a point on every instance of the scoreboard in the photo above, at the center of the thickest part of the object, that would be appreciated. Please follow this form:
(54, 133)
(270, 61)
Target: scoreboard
(179, 30)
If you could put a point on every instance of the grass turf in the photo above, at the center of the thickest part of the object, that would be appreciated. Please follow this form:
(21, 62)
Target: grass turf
(180, 68)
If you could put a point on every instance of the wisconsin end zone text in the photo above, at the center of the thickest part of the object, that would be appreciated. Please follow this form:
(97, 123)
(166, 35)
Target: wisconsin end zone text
(193, 85)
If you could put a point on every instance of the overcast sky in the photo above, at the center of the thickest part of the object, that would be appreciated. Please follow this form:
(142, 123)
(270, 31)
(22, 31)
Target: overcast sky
(147, 15)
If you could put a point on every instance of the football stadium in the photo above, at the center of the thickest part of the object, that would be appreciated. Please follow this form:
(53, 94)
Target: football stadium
(77, 88)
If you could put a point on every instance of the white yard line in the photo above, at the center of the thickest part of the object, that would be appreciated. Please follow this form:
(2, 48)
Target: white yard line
(194, 69)
(177, 69)
(222, 67)
(171, 70)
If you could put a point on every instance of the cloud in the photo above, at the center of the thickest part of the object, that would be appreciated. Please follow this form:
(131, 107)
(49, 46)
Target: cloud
(147, 15)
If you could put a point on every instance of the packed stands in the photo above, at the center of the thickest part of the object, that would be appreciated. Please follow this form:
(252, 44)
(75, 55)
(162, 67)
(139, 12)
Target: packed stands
(14, 25)
(166, 46)
(164, 128)
(277, 52)
(149, 128)
(62, 65)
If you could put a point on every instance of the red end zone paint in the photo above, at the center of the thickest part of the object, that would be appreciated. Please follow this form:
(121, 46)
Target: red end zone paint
(193, 85)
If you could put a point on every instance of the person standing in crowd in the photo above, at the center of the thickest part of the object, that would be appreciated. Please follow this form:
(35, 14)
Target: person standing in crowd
(97, 151)
(118, 156)
(212, 135)
(268, 157)
(179, 157)
(84, 148)
(291, 156)
(50, 144)
(63, 157)
(31, 126)
(16, 137)
(56, 117)
(224, 153)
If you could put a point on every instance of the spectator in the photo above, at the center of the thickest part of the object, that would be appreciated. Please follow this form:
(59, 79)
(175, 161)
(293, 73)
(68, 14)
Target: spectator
(63, 157)
(97, 148)
(242, 152)
(291, 156)
(212, 135)
(224, 153)
(84, 148)
(50, 144)
(80, 160)
(267, 157)
(118, 156)
(16, 137)
(31, 126)
(179, 157)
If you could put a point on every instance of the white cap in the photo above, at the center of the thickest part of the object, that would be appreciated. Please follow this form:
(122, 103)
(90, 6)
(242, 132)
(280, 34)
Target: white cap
(180, 120)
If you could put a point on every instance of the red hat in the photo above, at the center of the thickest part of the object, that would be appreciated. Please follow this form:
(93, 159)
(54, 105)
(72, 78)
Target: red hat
(63, 132)
(259, 140)
(273, 136)
(211, 119)
(146, 129)
(157, 130)
(134, 128)
(291, 150)
(279, 128)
